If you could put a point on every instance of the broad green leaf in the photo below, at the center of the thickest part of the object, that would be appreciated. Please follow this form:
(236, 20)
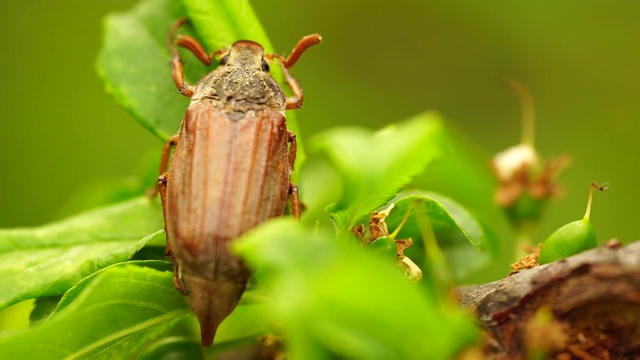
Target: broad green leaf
(134, 65)
(334, 300)
(112, 190)
(374, 166)
(48, 260)
(243, 326)
(79, 287)
(461, 237)
(42, 309)
(112, 316)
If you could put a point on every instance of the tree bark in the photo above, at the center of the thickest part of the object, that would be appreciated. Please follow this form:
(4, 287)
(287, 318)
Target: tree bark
(583, 307)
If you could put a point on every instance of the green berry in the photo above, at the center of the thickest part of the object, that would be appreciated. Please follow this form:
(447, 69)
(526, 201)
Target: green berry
(569, 240)
(572, 238)
(526, 210)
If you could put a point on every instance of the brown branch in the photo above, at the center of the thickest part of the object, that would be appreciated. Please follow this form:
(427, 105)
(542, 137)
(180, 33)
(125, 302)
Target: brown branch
(584, 307)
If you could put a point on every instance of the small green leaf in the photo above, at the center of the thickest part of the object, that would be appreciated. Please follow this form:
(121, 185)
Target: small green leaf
(48, 260)
(334, 300)
(134, 65)
(463, 174)
(113, 315)
(221, 23)
(457, 232)
(375, 166)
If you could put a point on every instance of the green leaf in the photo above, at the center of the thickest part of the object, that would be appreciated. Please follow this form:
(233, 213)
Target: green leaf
(48, 260)
(112, 190)
(43, 307)
(464, 174)
(134, 65)
(174, 348)
(460, 236)
(334, 300)
(221, 23)
(78, 288)
(375, 166)
(112, 316)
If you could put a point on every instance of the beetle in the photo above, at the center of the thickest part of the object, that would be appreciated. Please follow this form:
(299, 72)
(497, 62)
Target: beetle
(230, 169)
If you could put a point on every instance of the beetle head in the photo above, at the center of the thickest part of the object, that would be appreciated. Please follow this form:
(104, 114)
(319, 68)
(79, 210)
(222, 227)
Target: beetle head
(246, 54)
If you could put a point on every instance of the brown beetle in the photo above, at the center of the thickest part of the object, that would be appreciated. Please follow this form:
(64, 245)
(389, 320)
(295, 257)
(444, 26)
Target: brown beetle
(229, 172)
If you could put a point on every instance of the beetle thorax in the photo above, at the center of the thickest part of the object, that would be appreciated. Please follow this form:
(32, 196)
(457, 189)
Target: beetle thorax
(238, 89)
(246, 54)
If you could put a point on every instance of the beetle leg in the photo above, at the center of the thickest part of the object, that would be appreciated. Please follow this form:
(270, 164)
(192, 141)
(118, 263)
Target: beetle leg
(166, 153)
(294, 102)
(294, 197)
(177, 71)
(177, 282)
(293, 149)
(162, 187)
(306, 42)
(164, 164)
(302, 45)
(197, 49)
(191, 44)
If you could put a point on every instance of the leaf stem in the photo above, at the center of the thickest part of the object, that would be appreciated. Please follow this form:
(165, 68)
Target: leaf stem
(438, 266)
(528, 111)
(393, 235)
(595, 185)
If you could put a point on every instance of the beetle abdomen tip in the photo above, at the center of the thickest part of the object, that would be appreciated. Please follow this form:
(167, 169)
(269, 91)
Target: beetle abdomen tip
(212, 301)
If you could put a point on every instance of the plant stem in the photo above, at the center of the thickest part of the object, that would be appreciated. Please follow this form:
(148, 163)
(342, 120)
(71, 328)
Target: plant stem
(439, 268)
(588, 212)
(523, 242)
(393, 235)
(528, 111)
(602, 187)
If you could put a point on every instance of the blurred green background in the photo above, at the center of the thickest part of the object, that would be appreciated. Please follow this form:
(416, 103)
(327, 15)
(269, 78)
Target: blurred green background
(380, 62)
